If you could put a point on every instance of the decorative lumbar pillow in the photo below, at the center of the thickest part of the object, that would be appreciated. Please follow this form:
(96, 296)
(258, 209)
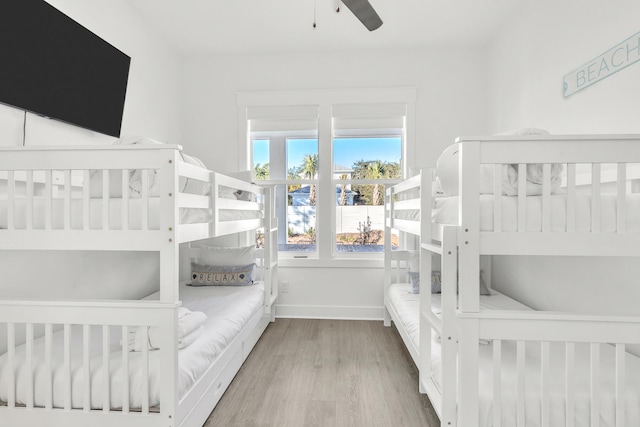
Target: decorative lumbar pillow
(436, 283)
(414, 276)
(222, 256)
(214, 275)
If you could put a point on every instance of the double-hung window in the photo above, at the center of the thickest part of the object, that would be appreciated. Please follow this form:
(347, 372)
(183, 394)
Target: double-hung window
(329, 158)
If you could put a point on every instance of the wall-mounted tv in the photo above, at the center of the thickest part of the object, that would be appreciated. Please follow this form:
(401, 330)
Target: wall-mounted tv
(52, 66)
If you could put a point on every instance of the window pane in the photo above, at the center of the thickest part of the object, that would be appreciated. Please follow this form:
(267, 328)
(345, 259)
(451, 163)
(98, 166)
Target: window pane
(261, 158)
(367, 158)
(301, 229)
(359, 222)
(302, 158)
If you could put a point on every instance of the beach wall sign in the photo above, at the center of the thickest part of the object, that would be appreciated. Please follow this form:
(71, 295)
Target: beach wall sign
(613, 60)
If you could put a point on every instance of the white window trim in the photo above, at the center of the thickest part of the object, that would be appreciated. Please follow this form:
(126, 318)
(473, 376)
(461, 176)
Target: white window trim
(325, 99)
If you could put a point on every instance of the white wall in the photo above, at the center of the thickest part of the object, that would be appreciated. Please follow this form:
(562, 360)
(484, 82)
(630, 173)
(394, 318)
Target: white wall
(151, 109)
(451, 101)
(528, 61)
(544, 42)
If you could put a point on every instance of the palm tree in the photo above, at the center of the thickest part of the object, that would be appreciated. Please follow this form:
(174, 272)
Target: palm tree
(375, 170)
(262, 172)
(309, 170)
(343, 191)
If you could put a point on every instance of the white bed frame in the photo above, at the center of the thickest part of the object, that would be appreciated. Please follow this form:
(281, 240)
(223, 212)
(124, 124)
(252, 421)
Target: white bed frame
(47, 171)
(461, 245)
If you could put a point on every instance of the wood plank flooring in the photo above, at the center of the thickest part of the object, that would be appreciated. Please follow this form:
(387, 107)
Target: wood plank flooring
(305, 373)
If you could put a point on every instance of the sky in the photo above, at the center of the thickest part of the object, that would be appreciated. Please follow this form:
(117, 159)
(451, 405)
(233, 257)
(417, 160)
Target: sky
(346, 151)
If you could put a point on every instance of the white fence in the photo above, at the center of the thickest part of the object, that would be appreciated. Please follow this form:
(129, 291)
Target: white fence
(301, 218)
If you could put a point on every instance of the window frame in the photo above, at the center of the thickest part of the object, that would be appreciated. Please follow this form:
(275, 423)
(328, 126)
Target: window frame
(326, 254)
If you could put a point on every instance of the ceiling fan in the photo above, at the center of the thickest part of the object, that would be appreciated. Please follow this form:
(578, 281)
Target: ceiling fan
(363, 10)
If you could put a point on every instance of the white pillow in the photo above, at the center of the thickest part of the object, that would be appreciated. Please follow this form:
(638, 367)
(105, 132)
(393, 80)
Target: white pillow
(447, 167)
(95, 183)
(228, 256)
(135, 176)
(193, 186)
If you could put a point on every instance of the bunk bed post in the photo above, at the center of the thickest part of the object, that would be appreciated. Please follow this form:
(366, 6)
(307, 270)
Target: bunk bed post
(169, 217)
(468, 239)
(270, 258)
(169, 404)
(449, 264)
(425, 274)
(388, 208)
(469, 235)
(169, 281)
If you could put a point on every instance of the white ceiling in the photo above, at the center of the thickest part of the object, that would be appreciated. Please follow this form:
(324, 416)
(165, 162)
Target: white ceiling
(270, 26)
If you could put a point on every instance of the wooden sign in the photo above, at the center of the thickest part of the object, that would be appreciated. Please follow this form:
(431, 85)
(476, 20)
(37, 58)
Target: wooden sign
(615, 59)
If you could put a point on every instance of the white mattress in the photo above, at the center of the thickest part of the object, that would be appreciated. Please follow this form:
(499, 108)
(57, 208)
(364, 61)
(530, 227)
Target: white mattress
(187, 216)
(407, 305)
(446, 212)
(228, 310)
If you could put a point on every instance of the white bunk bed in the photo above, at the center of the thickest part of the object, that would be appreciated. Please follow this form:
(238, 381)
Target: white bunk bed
(537, 368)
(47, 203)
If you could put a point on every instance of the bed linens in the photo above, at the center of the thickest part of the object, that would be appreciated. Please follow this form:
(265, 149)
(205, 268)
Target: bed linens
(407, 305)
(228, 310)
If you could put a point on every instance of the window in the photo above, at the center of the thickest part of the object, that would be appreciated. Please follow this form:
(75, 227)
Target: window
(329, 162)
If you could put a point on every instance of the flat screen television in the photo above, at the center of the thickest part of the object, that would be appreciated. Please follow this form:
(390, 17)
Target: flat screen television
(52, 66)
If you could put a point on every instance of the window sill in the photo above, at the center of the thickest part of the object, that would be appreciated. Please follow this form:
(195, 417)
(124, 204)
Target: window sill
(330, 263)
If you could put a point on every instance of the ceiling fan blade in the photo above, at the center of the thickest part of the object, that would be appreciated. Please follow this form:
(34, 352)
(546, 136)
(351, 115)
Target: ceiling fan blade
(363, 10)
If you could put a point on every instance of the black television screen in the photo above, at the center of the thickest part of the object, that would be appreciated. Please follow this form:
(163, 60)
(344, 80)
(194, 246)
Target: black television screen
(52, 66)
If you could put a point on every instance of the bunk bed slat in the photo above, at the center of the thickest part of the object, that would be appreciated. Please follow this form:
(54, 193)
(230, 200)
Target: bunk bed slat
(106, 369)
(406, 225)
(48, 194)
(145, 199)
(521, 386)
(11, 196)
(595, 384)
(105, 199)
(522, 197)
(546, 377)
(125, 199)
(125, 370)
(86, 217)
(11, 357)
(621, 199)
(570, 390)
(546, 197)
(497, 383)
(571, 197)
(29, 364)
(67, 367)
(595, 197)
(48, 331)
(67, 199)
(497, 200)
(620, 384)
(186, 200)
(145, 370)
(29, 192)
(86, 368)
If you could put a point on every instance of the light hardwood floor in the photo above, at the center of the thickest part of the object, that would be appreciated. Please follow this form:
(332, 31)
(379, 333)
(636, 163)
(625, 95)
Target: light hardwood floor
(305, 373)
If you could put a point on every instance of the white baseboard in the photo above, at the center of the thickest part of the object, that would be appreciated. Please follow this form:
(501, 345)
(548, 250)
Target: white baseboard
(329, 312)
